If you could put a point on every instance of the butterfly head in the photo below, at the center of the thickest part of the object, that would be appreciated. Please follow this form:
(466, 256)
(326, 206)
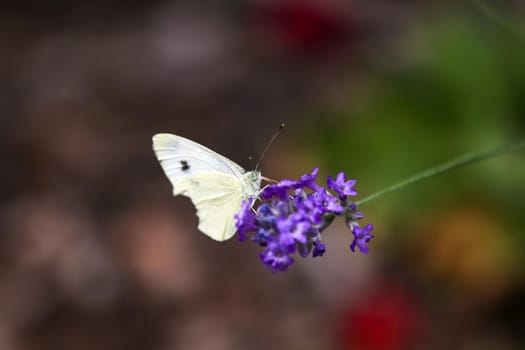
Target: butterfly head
(252, 181)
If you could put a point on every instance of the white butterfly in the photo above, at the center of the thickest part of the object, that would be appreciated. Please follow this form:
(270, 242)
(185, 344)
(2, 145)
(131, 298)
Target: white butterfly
(216, 185)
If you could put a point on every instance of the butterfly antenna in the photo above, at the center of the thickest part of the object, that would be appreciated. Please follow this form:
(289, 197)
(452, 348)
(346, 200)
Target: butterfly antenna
(281, 127)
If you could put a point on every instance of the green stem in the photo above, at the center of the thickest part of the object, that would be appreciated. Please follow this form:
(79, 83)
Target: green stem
(451, 164)
(498, 19)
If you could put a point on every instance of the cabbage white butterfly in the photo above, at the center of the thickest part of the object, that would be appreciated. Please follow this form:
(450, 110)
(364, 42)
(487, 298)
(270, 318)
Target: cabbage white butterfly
(216, 185)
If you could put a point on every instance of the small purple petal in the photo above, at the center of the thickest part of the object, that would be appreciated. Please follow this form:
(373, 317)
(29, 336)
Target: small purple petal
(326, 202)
(275, 259)
(308, 180)
(293, 228)
(341, 186)
(361, 237)
(287, 243)
(280, 189)
(319, 249)
(245, 220)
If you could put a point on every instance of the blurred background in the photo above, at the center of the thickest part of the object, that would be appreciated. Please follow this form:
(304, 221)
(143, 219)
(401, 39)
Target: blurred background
(95, 253)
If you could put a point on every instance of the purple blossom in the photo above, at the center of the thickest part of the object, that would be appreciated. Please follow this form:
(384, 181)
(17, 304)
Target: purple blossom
(341, 186)
(245, 220)
(278, 190)
(361, 237)
(292, 214)
(294, 226)
(305, 204)
(308, 180)
(275, 258)
(327, 202)
(319, 249)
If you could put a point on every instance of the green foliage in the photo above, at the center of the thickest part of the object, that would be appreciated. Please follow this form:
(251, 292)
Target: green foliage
(461, 88)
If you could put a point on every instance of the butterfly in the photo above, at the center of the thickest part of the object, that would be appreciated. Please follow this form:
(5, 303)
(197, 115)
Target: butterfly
(216, 185)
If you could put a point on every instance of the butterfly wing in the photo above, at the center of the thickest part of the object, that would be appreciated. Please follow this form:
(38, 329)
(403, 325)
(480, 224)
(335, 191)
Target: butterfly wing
(218, 198)
(181, 158)
(214, 183)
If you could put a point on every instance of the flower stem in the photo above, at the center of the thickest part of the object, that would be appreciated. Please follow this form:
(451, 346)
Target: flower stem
(491, 14)
(451, 164)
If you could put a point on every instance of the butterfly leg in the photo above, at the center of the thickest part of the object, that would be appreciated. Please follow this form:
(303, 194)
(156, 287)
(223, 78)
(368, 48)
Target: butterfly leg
(268, 179)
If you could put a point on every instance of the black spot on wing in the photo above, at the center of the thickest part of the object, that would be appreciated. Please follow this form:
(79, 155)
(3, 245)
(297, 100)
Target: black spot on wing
(184, 165)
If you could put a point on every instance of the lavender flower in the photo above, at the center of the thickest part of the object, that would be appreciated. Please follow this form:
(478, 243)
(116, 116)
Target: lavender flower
(319, 249)
(245, 220)
(308, 180)
(292, 216)
(341, 186)
(275, 259)
(361, 237)
(278, 190)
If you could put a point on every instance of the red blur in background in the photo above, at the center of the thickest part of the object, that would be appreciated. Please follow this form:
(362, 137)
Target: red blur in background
(388, 317)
